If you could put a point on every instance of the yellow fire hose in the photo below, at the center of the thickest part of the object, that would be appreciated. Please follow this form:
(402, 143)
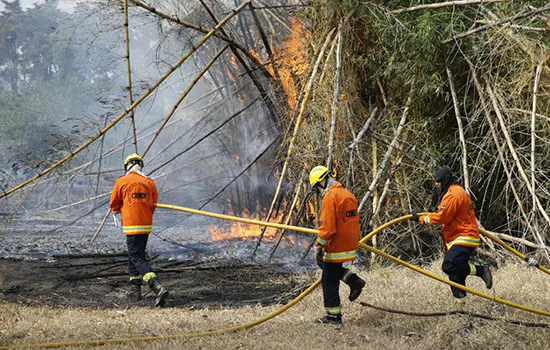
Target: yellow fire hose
(510, 249)
(289, 304)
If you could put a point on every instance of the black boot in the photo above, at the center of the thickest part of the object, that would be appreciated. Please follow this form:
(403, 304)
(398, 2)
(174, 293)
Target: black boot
(134, 291)
(487, 276)
(356, 287)
(160, 292)
(331, 319)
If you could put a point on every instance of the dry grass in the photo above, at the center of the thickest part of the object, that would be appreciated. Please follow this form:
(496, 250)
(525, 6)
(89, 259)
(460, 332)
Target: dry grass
(395, 288)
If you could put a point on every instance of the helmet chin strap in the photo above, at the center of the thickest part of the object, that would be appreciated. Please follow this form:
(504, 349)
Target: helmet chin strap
(135, 167)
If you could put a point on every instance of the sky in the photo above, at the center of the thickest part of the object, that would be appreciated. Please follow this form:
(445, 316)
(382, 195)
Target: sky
(65, 5)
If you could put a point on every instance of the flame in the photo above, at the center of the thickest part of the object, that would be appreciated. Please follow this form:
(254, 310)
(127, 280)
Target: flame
(240, 230)
(291, 58)
(294, 62)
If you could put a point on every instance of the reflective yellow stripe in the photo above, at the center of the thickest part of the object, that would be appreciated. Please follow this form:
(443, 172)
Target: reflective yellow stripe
(148, 276)
(467, 241)
(135, 278)
(427, 219)
(473, 270)
(322, 241)
(336, 310)
(135, 229)
(347, 275)
(340, 255)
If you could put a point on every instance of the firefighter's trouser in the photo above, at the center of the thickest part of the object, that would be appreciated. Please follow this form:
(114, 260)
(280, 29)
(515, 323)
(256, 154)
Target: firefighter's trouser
(137, 262)
(330, 280)
(456, 265)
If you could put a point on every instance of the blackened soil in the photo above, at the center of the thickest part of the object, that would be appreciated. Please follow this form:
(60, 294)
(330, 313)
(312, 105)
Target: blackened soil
(100, 281)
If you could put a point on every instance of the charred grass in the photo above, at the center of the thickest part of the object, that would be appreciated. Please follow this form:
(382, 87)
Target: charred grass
(395, 288)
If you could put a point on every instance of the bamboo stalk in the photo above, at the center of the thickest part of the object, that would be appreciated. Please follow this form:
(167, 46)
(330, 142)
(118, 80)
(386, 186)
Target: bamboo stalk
(522, 111)
(188, 148)
(363, 130)
(336, 95)
(203, 30)
(183, 59)
(374, 158)
(515, 239)
(449, 4)
(355, 142)
(270, 54)
(533, 131)
(265, 97)
(240, 173)
(388, 152)
(297, 190)
(500, 152)
(327, 61)
(460, 132)
(120, 145)
(514, 153)
(295, 133)
(517, 161)
(183, 96)
(498, 22)
(129, 70)
(100, 226)
(126, 111)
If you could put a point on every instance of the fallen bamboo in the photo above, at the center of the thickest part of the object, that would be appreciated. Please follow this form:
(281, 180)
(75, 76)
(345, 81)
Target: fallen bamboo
(449, 4)
(294, 135)
(183, 96)
(265, 96)
(203, 30)
(516, 240)
(270, 55)
(498, 22)
(179, 154)
(240, 173)
(500, 152)
(517, 161)
(130, 108)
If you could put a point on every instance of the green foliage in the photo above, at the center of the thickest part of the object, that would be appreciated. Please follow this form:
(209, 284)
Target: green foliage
(33, 116)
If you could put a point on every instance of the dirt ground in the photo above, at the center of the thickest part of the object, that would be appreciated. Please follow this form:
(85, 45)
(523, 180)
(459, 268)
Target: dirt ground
(100, 280)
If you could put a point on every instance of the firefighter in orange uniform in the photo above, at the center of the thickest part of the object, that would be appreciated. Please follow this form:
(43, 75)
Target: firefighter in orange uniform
(134, 196)
(459, 231)
(337, 241)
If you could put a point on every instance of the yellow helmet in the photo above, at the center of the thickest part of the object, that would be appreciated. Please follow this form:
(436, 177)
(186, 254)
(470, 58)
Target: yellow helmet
(133, 159)
(318, 174)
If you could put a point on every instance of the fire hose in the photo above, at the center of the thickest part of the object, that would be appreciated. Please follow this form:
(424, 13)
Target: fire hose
(299, 297)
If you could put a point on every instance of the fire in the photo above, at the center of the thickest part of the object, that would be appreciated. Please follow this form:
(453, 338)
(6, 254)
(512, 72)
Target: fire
(294, 62)
(245, 231)
(290, 59)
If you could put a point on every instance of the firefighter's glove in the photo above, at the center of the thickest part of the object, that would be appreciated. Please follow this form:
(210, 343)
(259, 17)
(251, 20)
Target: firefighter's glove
(415, 216)
(319, 255)
(116, 220)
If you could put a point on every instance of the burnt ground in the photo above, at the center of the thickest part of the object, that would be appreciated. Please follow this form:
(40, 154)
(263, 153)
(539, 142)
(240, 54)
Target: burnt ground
(100, 280)
(50, 261)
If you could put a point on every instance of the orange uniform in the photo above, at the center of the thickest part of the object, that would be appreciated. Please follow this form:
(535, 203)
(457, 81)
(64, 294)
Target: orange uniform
(339, 232)
(456, 216)
(134, 196)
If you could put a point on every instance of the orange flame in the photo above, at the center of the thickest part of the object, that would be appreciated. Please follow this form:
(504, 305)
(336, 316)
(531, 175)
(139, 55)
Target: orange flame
(294, 62)
(245, 231)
